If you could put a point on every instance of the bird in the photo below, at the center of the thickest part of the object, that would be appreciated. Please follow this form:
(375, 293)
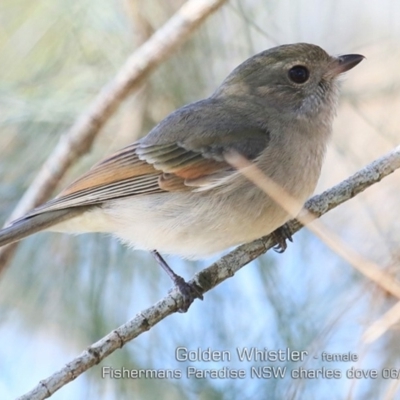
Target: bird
(174, 192)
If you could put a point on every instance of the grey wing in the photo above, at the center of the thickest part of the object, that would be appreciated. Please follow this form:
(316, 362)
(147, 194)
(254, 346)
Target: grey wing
(192, 142)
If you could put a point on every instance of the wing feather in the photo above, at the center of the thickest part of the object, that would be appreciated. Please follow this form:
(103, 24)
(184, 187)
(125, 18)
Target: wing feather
(184, 152)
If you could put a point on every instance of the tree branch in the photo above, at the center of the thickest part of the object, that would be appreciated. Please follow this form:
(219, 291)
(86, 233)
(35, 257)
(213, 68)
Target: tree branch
(212, 276)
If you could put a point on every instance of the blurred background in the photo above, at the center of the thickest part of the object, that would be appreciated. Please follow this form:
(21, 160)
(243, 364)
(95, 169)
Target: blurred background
(61, 293)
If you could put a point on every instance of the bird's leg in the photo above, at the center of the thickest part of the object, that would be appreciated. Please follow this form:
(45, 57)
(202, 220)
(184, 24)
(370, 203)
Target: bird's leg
(280, 235)
(189, 292)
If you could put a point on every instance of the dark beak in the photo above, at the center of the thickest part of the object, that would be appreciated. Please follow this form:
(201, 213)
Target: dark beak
(346, 62)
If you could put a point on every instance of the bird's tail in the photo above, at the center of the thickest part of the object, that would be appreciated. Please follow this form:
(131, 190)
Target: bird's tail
(28, 225)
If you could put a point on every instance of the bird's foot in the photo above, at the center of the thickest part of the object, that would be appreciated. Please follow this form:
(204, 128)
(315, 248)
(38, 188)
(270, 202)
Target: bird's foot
(189, 291)
(280, 235)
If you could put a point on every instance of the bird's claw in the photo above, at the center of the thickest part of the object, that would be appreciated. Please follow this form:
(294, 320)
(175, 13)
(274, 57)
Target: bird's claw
(280, 236)
(189, 292)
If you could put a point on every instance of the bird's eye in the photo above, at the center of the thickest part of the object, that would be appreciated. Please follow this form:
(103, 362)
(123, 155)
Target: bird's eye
(299, 74)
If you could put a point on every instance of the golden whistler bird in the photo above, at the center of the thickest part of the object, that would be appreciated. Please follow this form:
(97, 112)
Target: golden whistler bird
(173, 190)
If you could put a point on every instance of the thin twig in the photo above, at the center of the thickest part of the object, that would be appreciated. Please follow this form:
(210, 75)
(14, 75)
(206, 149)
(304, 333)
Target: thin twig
(212, 276)
(383, 324)
(80, 137)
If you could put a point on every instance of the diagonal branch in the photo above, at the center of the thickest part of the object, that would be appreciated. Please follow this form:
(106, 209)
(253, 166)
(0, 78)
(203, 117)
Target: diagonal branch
(80, 137)
(212, 276)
